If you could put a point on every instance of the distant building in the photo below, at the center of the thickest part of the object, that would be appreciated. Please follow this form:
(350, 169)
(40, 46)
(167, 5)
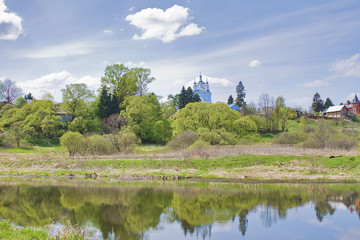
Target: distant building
(202, 89)
(235, 107)
(354, 106)
(337, 111)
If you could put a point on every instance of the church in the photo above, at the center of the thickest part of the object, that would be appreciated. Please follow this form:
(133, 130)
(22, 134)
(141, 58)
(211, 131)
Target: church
(202, 89)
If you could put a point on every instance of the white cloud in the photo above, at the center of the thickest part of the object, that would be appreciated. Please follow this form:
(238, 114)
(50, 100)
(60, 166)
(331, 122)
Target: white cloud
(215, 81)
(348, 67)
(62, 50)
(131, 9)
(108, 31)
(10, 23)
(131, 64)
(254, 63)
(54, 82)
(165, 25)
(178, 82)
(316, 83)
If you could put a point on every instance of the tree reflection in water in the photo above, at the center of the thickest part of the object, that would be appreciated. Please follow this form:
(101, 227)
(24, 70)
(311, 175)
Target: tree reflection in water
(130, 212)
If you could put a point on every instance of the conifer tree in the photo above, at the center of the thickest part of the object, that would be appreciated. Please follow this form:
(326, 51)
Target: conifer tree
(230, 100)
(240, 94)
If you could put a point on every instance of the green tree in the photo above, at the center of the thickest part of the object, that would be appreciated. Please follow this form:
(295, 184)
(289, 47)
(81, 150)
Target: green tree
(143, 78)
(187, 96)
(240, 94)
(107, 104)
(317, 103)
(47, 97)
(230, 100)
(36, 121)
(19, 102)
(182, 98)
(328, 103)
(142, 113)
(75, 98)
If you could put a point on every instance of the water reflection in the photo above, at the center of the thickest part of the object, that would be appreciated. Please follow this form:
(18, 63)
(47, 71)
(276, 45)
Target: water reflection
(147, 212)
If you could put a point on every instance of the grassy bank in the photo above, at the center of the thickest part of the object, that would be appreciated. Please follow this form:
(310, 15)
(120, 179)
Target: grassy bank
(255, 163)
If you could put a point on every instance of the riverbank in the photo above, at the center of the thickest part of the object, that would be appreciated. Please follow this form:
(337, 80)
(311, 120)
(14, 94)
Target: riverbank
(264, 163)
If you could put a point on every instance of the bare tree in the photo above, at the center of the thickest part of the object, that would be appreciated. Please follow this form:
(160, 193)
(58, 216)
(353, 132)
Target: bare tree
(9, 91)
(266, 108)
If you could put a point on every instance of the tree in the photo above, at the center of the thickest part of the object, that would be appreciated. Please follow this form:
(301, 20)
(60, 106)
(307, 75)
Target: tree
(266, 106)
(182, 98)
(107, 105)
(10, 91)
(75, 98)
(19, 102)
(187, 96)
(142, 76)
(36, 121)
(230, 100)
(240, 94)
(328, 103)
(122, 81)
(47, 97)
(317, 104)
(28, 97)
(143, 114)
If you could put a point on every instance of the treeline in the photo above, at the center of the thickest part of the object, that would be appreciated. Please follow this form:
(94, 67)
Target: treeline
(124, 114)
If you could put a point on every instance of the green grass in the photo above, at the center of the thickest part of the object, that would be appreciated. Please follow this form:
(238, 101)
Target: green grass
(35, 149)
(7, 231)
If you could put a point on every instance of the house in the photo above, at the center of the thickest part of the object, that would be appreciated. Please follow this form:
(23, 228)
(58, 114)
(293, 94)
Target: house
(202, 89)
(235, 107)
(354, 106)
(65, 117)
(337, 111)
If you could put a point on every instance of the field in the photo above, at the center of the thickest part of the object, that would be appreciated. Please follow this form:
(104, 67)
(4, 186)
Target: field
(271, 163)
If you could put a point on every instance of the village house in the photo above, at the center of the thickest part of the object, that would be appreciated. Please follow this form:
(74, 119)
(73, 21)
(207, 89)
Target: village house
(337, 111)
(354, 106)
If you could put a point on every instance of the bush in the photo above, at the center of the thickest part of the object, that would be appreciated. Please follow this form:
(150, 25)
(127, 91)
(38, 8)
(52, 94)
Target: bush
(342, 142)
(101, 145)
(183, 140)
(127, 141)
(289, 138)
(74, 142)
(217, 137)
(199, 144)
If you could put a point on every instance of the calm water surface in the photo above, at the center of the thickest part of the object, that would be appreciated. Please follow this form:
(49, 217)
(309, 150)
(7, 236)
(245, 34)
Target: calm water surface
(186, 210)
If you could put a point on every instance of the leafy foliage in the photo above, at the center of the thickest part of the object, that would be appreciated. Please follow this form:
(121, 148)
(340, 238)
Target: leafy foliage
(143, 114)
(74, 142)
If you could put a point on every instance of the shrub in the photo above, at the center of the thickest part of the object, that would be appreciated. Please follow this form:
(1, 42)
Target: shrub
(183, 140)
(199, 144)
(342, 142)
(74, 142)
(217, 137)
(127, 141)
(101, 145)
(289, 138)
(244, 126)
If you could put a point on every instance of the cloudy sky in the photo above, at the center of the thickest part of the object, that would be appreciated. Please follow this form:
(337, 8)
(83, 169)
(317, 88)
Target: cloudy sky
(280, 47)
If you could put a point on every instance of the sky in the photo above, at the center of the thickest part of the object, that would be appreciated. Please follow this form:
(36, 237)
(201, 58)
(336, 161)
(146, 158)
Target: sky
(279, 47)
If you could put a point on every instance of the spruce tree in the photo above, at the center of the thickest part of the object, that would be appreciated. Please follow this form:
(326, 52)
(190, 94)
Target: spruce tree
(328, 103)
(240, 94)
(182, 98)
(317, 104)
(230, 100)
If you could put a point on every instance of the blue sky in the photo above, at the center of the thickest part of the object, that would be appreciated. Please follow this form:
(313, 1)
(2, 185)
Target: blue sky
(289, 48)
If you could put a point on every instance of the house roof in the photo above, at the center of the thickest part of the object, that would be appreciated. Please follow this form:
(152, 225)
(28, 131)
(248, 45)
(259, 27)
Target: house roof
(234, 107)
(335, 108)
